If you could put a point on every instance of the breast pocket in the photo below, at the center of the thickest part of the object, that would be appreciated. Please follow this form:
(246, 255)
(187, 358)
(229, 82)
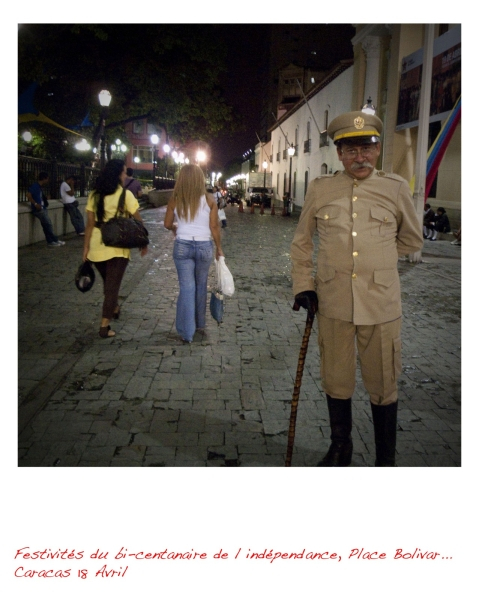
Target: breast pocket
(383, 222)
(327, 218)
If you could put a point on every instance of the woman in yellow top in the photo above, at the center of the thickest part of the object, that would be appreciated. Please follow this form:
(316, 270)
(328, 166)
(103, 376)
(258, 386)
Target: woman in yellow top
(110, 261)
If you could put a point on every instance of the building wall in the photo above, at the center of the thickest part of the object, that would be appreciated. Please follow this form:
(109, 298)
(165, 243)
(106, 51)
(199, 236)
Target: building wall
(306, 166)
(378, 51)
(400, 146)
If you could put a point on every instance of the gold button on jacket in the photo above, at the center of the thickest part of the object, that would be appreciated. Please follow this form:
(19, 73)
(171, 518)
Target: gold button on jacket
(385, 227)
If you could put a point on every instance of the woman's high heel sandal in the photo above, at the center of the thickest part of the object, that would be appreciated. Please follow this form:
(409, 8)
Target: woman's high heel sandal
(106, 332)
(116, 314)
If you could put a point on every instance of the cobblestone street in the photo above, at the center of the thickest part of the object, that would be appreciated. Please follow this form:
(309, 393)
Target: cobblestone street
(143, 398)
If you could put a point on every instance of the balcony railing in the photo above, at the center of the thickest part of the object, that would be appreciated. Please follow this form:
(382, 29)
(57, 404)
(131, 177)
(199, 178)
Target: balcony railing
(323, 139)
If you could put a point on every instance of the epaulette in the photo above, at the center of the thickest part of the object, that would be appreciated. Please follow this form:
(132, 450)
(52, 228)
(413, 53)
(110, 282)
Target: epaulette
(328, 175)
(390, 176)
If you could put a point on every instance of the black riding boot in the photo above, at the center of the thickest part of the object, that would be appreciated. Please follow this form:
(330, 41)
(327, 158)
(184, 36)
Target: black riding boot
(341, 449)
(385, 425)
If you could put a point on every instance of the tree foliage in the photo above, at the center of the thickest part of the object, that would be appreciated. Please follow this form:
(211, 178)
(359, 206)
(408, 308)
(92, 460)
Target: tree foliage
(171, 73)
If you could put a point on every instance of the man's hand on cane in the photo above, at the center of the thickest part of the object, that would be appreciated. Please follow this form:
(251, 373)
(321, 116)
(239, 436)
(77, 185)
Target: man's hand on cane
(307, 300)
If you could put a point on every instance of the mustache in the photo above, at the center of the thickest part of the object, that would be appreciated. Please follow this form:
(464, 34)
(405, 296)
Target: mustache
(355, 166)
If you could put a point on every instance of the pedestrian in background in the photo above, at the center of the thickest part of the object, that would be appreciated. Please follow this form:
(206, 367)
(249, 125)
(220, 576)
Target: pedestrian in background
(67, 196)
(428, 221)
(218, 197)
(440, 225)
(133, 184)
(39, 203)
(457, 235)
(365, 219)
(110, 261)
(192, 215)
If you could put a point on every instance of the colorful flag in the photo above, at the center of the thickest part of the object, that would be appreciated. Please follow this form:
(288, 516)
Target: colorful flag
(438, 148)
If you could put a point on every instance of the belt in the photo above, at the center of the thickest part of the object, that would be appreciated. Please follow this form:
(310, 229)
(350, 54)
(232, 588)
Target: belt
(193, 238)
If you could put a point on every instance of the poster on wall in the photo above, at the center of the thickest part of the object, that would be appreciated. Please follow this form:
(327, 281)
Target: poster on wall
(445, 85)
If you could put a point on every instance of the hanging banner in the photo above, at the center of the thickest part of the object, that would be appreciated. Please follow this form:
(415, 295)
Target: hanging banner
(445, 85)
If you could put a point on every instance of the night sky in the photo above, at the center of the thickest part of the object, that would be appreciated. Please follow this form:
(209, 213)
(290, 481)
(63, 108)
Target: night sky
(246, 45)
(242, 86)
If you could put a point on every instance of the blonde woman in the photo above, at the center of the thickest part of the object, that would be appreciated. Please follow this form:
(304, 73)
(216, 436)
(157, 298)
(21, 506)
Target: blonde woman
(192, 215)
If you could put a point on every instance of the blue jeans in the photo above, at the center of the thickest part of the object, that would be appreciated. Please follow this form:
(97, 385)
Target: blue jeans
(42, 216)
(75, 217)
(192, 261)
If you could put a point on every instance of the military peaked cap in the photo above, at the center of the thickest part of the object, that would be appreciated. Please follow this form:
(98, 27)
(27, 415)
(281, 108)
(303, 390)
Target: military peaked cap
(356, 126)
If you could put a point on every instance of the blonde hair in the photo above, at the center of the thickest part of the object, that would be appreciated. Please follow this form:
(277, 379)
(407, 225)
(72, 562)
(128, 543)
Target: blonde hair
(189, 188)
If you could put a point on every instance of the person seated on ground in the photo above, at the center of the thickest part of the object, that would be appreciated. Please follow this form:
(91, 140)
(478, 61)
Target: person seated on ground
(457, 235)
(428, 221)
(441, 224)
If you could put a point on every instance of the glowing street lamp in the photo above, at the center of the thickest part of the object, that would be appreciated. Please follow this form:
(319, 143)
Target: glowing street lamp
(369, 107)
(105, 98)
(83, 146)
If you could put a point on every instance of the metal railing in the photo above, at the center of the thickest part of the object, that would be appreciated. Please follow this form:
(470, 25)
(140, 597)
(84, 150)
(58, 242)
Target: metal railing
(29, 168)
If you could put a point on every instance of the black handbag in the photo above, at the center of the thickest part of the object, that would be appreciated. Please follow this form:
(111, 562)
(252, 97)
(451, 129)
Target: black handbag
(124, 232)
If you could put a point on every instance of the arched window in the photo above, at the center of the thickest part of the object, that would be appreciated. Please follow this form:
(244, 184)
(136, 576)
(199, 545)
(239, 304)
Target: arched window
(306, 180)
(324, 169)
(307, 141)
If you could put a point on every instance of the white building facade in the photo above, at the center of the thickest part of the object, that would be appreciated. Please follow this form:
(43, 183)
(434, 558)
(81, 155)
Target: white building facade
(305, 128)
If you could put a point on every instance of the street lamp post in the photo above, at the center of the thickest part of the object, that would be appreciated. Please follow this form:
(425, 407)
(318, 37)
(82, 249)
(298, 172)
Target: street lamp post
(288, 200)
(166, 150)
(105, 98)
(263, 195)
(154, 140)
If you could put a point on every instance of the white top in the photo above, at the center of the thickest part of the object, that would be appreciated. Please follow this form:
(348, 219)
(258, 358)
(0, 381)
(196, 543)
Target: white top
(66, 198)
(199, 227)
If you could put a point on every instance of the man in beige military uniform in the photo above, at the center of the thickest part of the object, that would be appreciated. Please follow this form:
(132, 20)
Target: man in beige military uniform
(365, 219)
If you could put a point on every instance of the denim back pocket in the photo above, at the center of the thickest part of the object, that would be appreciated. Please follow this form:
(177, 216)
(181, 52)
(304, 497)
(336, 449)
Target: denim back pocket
(183, 249)
(205, 252)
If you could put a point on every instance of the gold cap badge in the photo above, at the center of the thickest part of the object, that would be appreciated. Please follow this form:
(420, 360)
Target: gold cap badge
(359, 122)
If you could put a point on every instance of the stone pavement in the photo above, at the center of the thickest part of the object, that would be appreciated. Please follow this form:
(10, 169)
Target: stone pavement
(145, 399)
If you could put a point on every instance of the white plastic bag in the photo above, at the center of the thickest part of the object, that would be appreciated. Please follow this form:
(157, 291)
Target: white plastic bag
(224, 277)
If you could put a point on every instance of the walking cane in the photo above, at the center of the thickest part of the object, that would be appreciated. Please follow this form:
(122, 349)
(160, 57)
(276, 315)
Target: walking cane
(297, 385)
